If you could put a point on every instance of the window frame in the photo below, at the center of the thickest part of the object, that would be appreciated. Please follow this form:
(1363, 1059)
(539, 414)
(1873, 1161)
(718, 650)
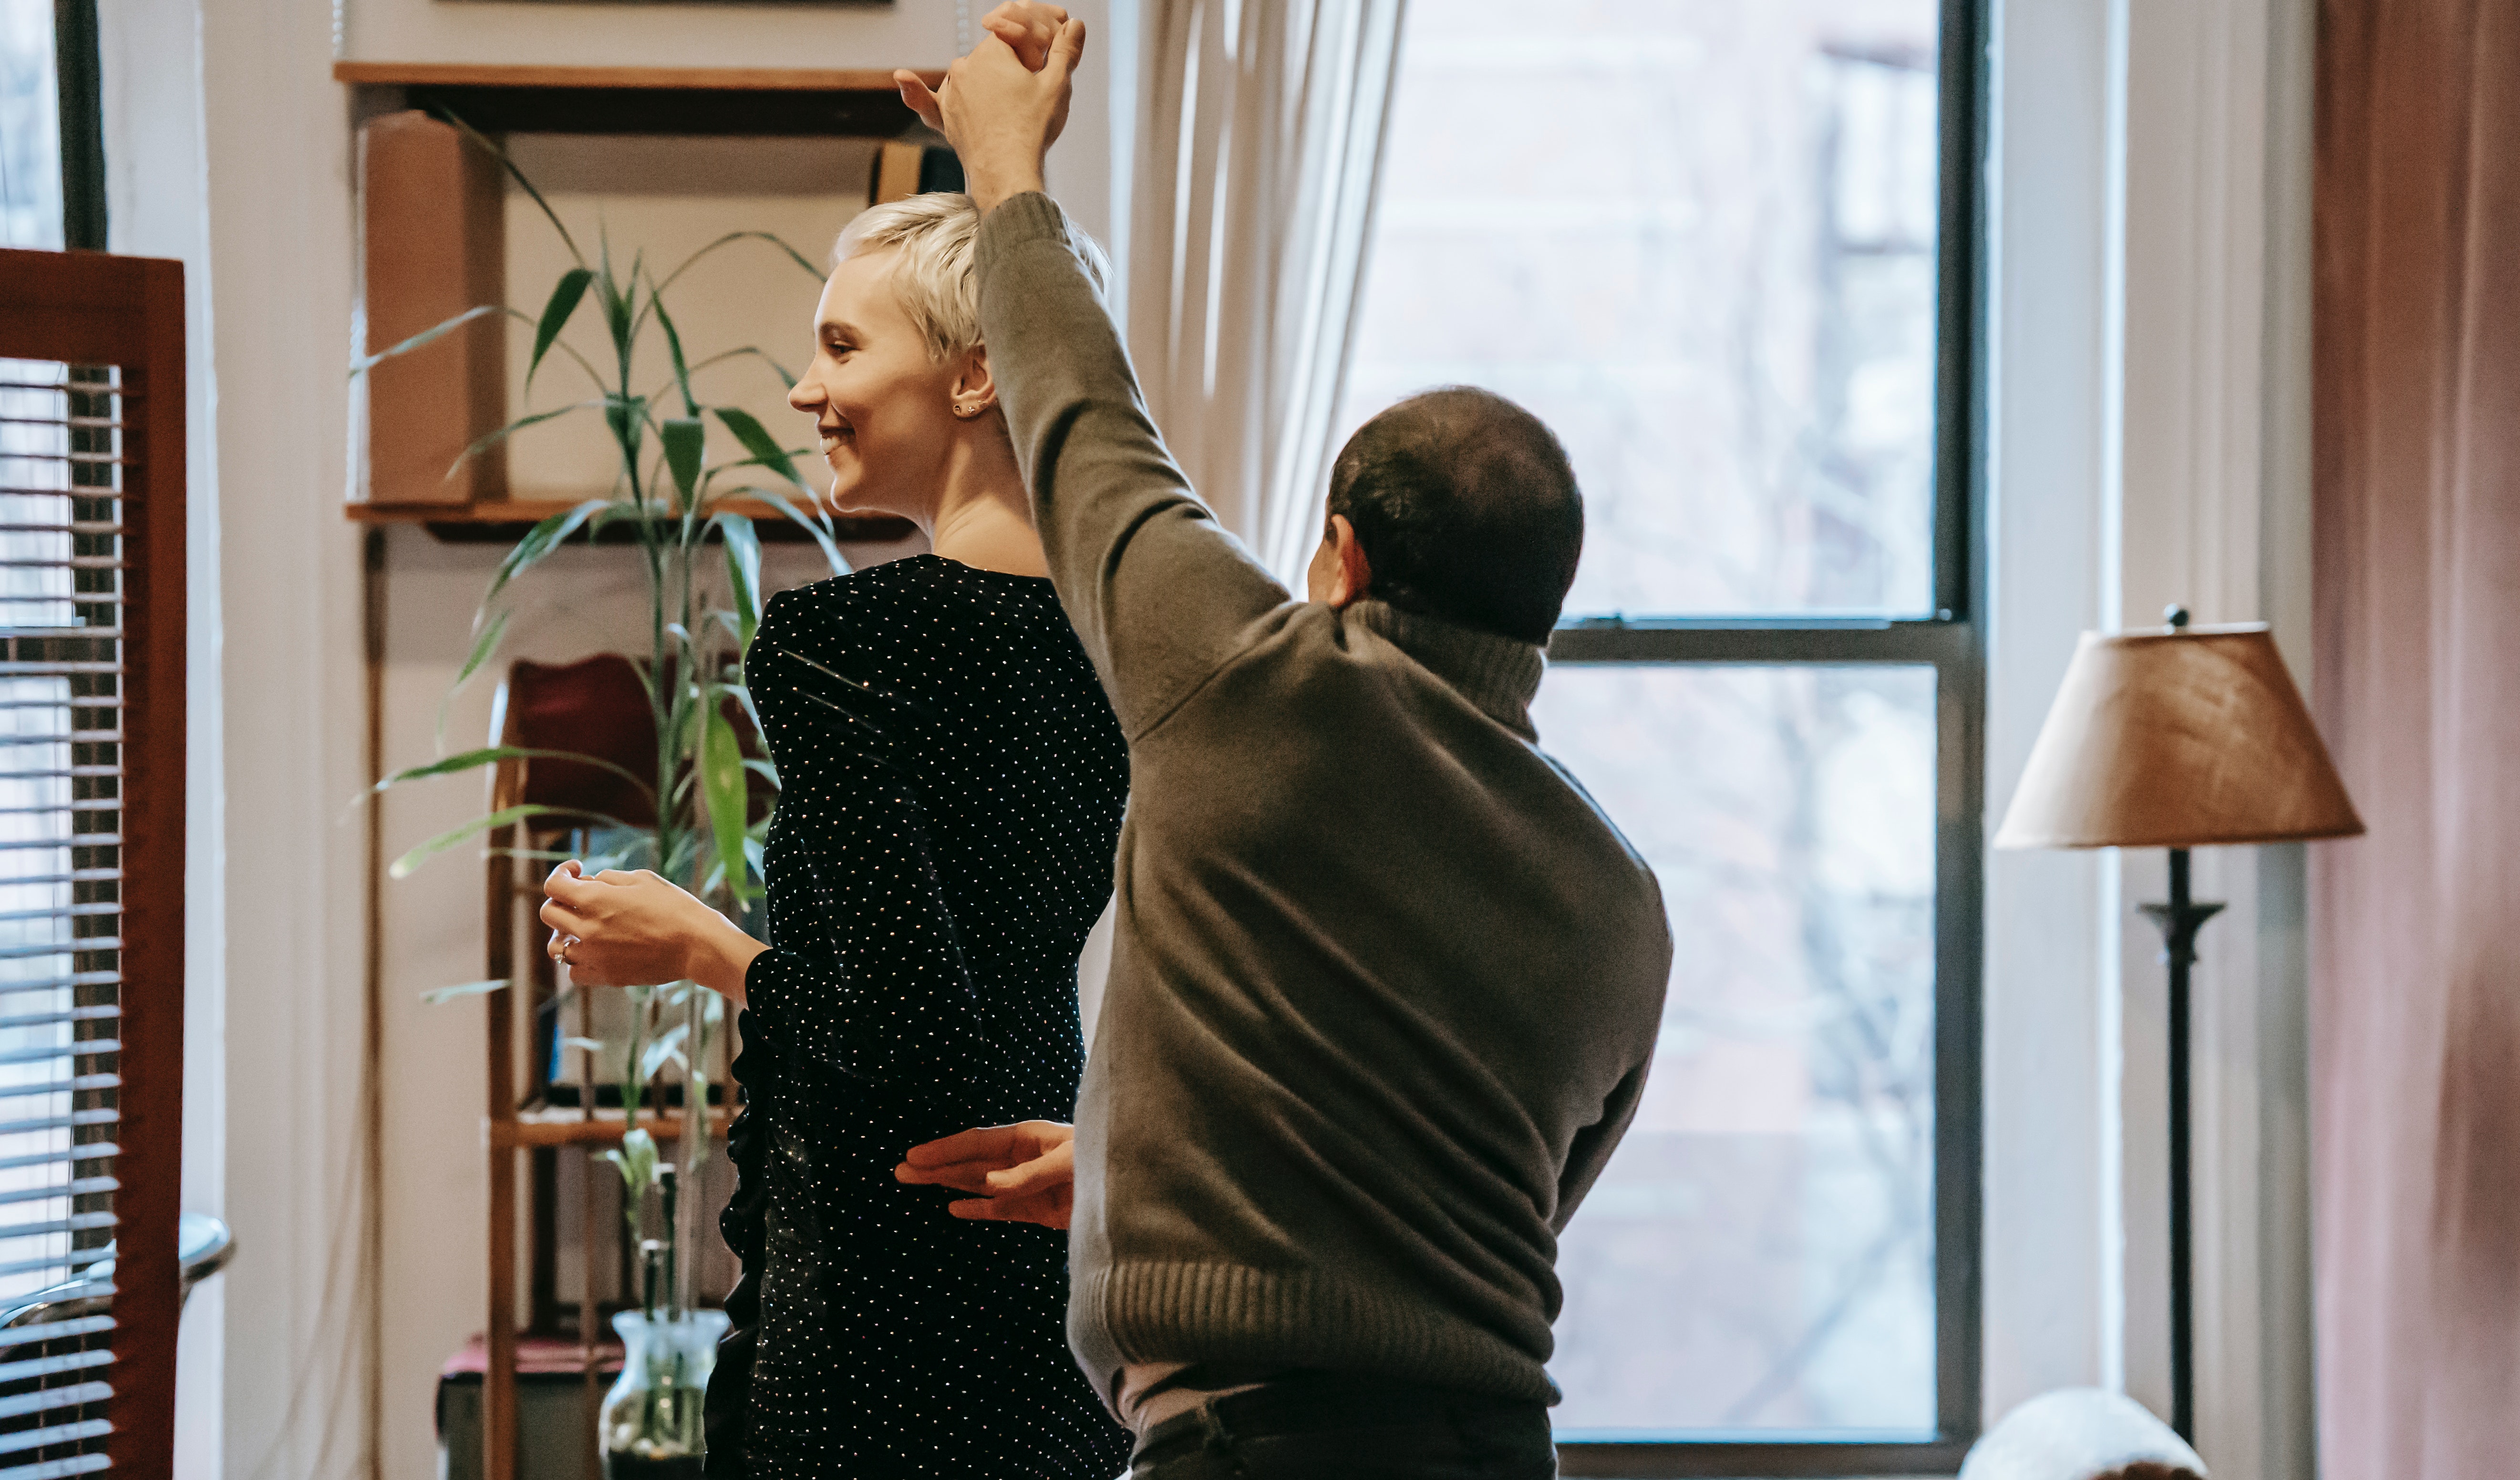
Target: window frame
(1953, 643)
(79, 90)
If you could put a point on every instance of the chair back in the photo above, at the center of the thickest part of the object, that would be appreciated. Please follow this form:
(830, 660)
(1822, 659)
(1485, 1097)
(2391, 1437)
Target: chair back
(594, 706)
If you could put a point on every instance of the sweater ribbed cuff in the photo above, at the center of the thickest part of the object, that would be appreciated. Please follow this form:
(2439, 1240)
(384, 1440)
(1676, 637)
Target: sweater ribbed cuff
(1017, 221)
(1233, 1313)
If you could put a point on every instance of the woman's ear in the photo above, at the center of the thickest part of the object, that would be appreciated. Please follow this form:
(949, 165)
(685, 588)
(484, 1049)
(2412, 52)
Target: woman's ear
(975, 391)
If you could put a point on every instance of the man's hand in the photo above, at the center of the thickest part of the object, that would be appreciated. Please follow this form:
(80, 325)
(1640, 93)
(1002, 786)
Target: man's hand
(621, 928)
(1022, 1173)
(1003, 105)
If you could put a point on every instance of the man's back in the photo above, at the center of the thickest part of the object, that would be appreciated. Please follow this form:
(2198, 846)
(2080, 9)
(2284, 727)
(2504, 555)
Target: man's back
(1376, 1014)
(1385, 984)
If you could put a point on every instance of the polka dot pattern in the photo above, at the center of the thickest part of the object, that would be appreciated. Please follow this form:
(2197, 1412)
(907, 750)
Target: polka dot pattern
(952, 787)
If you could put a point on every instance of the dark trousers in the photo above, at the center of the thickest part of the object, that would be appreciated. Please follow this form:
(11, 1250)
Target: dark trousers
(1334, 1426)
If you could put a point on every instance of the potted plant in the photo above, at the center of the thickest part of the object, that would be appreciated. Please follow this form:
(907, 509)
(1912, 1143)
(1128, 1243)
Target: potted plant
(695, 545)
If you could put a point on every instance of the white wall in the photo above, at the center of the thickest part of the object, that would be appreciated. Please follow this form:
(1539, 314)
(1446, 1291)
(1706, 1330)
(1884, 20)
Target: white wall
(153, 107)
(2213, 513)
(2151, 444)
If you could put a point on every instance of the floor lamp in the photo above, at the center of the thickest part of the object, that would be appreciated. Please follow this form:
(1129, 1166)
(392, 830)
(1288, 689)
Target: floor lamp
(2178, 737)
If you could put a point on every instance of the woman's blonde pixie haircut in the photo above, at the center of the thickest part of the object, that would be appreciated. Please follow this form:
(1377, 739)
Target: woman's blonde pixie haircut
(935, 277)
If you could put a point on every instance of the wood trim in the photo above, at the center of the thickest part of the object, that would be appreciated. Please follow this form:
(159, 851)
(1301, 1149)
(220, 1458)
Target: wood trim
(91, 308)
(535, 510)
(498, 1428)
(667, 1129)
(149, 1298)
(509, 517)
(859, 79)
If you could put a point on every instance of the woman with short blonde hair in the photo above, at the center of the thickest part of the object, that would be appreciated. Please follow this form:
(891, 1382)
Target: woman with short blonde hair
(951, 785)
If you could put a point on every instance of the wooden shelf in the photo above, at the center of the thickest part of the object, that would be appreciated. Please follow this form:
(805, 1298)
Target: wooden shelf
(504, 520)
(793, 102)
(602, 1131)
(794, 79)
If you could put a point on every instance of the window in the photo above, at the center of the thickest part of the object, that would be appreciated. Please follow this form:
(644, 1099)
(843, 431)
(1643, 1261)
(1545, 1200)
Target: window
(31, 151)
(52, 153)
(1726, 250)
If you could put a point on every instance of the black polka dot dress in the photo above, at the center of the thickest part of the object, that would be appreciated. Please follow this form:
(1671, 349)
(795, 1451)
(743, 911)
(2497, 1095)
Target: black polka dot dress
(952, 785)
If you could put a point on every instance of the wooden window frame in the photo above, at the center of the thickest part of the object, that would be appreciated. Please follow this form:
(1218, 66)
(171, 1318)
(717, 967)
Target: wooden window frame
(88, 308)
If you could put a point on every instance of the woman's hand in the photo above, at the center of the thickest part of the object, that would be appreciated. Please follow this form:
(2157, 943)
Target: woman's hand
(622, 930)
(1022, 1173)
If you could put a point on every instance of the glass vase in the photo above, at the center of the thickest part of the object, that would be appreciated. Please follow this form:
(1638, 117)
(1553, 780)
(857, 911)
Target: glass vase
(651, 1425)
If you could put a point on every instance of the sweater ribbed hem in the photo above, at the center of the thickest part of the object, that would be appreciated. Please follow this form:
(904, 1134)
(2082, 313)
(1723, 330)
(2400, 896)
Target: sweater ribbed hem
(1234, 1314)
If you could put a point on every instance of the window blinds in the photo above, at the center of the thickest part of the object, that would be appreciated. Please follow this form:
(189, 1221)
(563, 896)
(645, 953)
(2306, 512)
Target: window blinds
(91, 861)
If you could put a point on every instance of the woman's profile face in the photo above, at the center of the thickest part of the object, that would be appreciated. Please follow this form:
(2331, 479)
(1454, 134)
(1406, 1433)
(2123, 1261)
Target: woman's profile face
(884, 408)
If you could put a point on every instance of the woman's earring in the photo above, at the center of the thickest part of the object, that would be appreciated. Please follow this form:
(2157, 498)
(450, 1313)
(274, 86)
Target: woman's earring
(966, 411)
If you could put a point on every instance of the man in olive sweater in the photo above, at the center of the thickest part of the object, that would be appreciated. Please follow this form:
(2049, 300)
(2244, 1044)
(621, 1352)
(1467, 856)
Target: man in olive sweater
(1385, 982)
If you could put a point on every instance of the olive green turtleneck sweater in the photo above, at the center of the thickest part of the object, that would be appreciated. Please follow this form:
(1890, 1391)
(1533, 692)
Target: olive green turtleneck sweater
(1386, 981)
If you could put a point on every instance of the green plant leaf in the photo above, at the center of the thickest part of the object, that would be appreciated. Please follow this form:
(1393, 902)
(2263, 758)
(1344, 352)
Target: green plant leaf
(484, 643)
(489, 440)
(812, 523)
(488, 755)
(435, 995)
(637, 1159)
(742, 576)
(518, 175)
(582, 1045)
(564, 346)
(662, 1050)
(619, 299)
(483, 647)
(403, 866)
(722, 772)
(365, 363)
(539, 542)
(686, 440)
(567, 294)
(627, 416)
(732, 237)
(764, 447)
(787, 382)
(674, 349)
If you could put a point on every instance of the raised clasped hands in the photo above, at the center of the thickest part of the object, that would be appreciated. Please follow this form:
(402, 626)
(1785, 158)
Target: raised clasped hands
(1003, 105)
(1020, 1173)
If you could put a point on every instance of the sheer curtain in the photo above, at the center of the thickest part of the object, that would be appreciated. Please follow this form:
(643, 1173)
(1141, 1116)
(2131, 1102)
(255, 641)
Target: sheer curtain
(2415, 1008)
(1257, 151)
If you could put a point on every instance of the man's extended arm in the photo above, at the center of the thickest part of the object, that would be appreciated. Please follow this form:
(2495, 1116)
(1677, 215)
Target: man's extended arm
(1159, 594)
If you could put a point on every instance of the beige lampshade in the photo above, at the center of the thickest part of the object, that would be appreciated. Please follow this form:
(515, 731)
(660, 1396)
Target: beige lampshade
(2178, 739)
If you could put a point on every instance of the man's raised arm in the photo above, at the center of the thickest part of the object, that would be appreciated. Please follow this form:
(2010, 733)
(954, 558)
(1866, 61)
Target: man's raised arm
(1159, 594)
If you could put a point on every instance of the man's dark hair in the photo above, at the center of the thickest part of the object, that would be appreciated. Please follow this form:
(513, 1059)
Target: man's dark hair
(1466, 508)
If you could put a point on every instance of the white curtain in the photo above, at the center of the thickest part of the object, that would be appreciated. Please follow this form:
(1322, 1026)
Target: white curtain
(1257, 148)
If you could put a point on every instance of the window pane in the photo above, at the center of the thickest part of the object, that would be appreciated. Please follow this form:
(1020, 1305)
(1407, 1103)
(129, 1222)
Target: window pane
(30, 148)
(1697, 237)
(1759, 1254)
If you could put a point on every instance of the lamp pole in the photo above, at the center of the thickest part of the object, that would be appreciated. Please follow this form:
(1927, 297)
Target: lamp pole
(2179, 922)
